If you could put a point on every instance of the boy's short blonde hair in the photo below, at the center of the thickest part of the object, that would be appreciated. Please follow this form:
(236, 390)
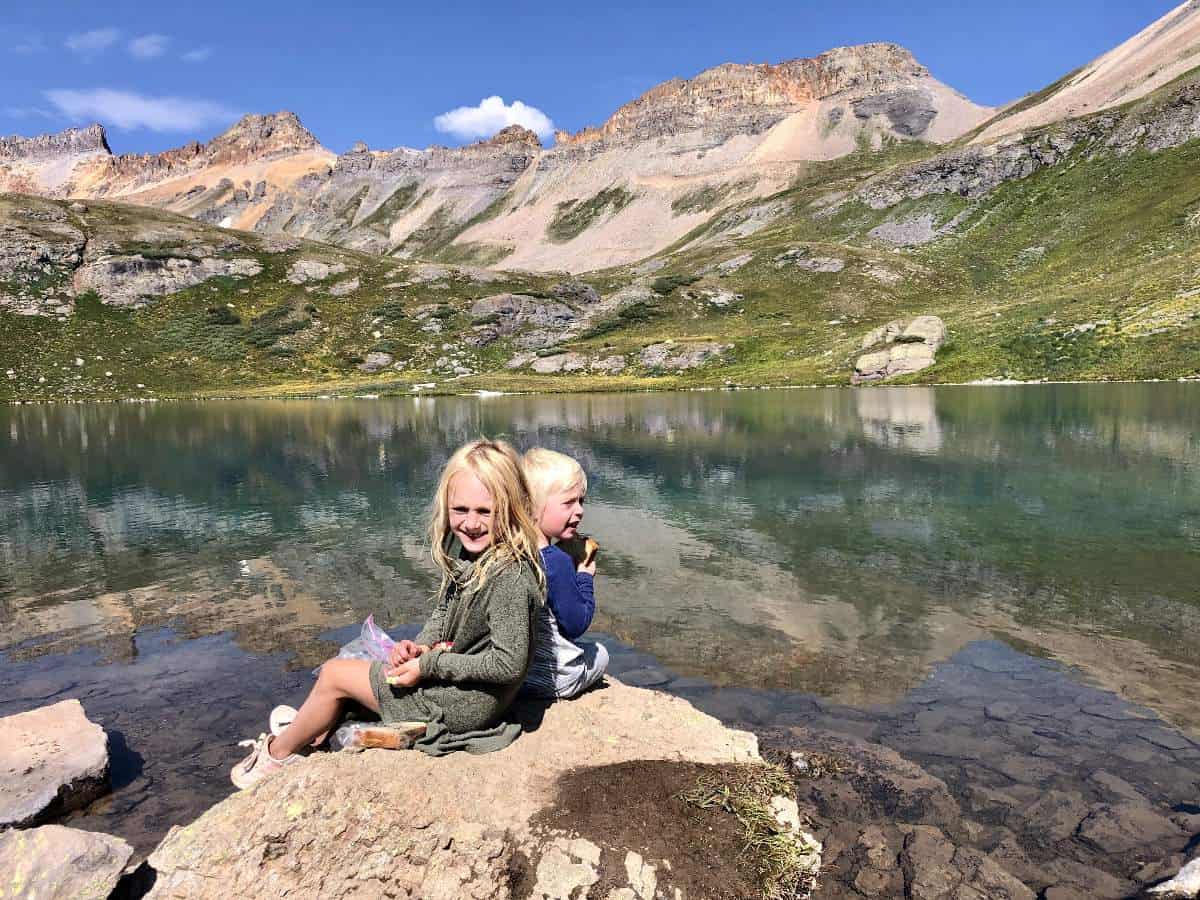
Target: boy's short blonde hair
(548, 471)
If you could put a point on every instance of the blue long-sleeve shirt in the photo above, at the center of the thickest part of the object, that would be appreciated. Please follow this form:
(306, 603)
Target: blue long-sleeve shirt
(571, 594)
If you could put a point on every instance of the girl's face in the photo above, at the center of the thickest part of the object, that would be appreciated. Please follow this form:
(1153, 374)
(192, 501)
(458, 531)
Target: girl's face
(470, 508)
(562, 513)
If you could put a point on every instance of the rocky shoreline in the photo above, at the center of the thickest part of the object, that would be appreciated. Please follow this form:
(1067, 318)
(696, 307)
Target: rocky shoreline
(1000, 777)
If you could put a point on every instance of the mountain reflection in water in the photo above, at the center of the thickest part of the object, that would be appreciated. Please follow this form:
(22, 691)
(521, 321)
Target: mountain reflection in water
(835, 542)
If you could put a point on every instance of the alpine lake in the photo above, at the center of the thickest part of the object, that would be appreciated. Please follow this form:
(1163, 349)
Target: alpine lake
(1001, 584)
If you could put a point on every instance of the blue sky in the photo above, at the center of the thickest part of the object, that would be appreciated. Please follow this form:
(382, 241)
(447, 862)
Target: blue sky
(159, 74)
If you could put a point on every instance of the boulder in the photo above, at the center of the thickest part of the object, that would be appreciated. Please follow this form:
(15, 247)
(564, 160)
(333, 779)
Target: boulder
(610, 365)
(576, 292)
(509, 313)
(304, 270)
(125, 281)
(655, 355)
(909, 347)
(681, 357)
(801, 258)
(560, 362)
(52, 760)
(376, 361)
(57, 863)
(342, 288)
(1185, 884)
(279, 243)
(722, 299)
(884, 334)
(929, 330)
(729, 266)
(399, 823)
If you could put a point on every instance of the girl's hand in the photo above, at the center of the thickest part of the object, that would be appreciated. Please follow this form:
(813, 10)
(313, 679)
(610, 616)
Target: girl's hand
(406, 674)
(589, 568)
(403, 651)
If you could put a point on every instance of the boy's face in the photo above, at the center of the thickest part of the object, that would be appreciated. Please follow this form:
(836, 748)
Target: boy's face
(562, 513)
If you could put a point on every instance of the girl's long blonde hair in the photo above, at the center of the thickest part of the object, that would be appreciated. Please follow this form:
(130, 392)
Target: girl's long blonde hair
(514, 531)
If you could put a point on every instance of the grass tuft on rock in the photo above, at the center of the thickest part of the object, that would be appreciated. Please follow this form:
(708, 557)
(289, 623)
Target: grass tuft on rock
(786, 863)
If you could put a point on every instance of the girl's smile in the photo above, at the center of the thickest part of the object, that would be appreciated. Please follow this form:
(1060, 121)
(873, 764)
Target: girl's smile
(470, 511)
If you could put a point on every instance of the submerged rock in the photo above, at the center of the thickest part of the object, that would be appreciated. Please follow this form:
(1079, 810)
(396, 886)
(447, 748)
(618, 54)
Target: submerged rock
(52, 760)
(57, 863)
(399, 823)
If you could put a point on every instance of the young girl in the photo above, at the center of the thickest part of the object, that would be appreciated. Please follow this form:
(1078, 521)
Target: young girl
(563, 666)
(468, 662)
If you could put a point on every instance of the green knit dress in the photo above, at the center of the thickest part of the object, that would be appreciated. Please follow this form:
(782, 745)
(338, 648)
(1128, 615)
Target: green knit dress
(471, 685)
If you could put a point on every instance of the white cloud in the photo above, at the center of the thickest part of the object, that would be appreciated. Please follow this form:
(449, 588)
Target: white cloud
(199, 55)
(492, 114)
(148, 46)
(127, 110)
(90, 42)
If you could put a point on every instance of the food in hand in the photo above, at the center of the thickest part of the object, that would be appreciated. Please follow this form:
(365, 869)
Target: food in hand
(581, 548)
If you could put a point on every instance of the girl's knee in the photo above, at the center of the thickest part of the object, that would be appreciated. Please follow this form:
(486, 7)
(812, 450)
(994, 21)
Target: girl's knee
(342, 675)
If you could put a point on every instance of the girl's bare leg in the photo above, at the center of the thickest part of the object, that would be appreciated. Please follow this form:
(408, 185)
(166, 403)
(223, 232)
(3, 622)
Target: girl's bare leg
(340, 679)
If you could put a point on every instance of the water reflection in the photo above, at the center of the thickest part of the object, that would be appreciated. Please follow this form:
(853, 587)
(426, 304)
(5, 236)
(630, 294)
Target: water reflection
(838, 542)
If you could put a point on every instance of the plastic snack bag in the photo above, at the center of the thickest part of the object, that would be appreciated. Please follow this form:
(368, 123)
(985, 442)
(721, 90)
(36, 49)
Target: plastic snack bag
(372, 644)
(375, 640)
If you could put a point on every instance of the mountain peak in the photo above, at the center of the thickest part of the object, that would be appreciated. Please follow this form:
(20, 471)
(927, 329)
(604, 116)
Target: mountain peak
(513, 134)
(268, 134)
(68, 142)
(755, 95)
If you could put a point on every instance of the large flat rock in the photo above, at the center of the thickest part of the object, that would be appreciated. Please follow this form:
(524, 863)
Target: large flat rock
(57, 863)
(399, 823)
(52, 760)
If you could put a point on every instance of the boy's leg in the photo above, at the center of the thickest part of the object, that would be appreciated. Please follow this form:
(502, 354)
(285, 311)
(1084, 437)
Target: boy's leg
(595, 657)
(573, 680)
(340, 679)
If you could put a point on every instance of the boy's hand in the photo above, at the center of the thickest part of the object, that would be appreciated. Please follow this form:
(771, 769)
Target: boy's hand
(405, 675)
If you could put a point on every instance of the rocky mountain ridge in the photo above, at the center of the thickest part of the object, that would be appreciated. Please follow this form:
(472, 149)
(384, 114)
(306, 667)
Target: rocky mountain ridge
(749, 99)
(68, 142)
(751, 125)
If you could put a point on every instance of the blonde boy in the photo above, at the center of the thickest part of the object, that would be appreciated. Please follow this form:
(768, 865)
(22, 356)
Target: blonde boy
(563, 666)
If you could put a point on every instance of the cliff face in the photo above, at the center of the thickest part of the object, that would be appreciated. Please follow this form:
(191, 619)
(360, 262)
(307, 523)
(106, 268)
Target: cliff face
(70, 142)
